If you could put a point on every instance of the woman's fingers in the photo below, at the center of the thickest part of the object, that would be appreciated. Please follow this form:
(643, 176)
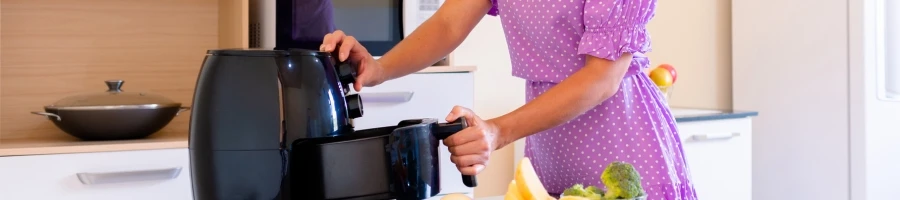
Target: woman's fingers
(470, 148)
(332, 40)
(347, 45)
(469, 141)
(459, 111)
(363, 75)
(469, 160)
(471, 170)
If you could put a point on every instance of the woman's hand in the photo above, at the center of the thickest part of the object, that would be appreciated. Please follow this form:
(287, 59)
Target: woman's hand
(370, 72)
(471, 148)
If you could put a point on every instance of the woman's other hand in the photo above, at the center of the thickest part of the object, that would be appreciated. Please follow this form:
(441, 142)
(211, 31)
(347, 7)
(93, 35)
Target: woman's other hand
(370, 72)
(470, 149)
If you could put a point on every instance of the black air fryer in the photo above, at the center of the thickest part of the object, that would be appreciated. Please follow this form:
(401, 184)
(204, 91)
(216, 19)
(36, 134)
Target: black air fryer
(274, 124)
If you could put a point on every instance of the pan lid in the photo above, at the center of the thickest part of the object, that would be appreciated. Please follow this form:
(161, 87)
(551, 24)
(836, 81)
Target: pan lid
(113, 98)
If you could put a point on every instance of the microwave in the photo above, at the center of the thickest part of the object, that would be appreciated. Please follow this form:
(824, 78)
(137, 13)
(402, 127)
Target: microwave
(377, 24)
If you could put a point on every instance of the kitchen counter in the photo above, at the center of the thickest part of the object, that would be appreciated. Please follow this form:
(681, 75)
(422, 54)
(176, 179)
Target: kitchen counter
(63, 143)
(693, 115)
(448, 69)
(177, 137)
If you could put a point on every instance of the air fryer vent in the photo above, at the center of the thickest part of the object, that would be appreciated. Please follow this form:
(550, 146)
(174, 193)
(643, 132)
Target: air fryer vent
(254, 35)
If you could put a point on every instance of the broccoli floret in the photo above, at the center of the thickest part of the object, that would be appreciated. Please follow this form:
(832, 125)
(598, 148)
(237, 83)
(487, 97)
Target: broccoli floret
(622, 180)
(579, 190)
(595, 190)
(575, 190)
(595, 196)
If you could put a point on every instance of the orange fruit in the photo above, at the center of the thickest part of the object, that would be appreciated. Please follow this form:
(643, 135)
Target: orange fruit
(661, 77)
(671, 70)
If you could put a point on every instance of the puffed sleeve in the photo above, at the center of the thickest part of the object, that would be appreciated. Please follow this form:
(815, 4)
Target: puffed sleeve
(615, 27)
(495, 10)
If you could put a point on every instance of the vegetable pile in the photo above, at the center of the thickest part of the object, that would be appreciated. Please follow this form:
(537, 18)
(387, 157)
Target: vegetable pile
(621, 179)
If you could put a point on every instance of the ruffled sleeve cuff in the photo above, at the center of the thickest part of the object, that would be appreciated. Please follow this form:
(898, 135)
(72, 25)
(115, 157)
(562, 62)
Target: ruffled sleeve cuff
(611, 43)
(495, 10)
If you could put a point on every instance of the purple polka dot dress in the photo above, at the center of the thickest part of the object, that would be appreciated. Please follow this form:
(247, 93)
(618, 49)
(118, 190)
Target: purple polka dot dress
(548, 40)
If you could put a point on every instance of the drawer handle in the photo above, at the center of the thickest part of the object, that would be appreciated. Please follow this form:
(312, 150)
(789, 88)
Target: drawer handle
(714, 136)
(128, 176)
(386, 97)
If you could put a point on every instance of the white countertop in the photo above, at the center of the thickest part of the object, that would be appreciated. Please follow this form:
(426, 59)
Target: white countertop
(688, 111)
(490, 198)
(448, 69)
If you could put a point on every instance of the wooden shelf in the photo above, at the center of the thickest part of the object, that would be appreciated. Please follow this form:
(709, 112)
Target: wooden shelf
(56, 48)
(61, 143)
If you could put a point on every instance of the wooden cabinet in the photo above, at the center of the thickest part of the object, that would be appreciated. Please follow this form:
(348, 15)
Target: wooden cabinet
(423, 95)
(138, 175)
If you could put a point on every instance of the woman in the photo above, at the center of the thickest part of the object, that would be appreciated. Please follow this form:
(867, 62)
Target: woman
(588, 102)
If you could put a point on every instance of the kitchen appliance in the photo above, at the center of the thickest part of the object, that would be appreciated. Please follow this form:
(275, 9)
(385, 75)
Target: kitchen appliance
(112, 115)
(378, 24)
(275, 124)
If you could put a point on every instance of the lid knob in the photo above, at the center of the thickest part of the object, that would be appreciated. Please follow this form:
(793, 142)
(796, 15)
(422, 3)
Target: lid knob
(114, 85)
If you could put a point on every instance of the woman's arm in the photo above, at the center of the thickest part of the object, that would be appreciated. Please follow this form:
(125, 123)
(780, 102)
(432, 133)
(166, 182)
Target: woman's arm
(435, 38)
(585, 89)
(588, 87)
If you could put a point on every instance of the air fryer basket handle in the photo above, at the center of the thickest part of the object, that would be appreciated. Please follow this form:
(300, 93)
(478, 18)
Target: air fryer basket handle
(444, 130)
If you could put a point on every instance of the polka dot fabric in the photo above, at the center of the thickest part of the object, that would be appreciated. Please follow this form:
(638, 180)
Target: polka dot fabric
(548, 41)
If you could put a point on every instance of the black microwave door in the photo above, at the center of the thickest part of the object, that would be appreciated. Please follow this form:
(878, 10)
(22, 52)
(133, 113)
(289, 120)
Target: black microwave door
(376, 24)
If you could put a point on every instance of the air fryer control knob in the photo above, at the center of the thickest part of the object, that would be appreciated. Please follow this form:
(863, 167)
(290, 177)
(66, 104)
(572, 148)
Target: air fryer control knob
(354, 106)
(346, 73)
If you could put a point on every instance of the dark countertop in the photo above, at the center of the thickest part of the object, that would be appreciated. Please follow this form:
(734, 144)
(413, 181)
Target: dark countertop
(693, 115)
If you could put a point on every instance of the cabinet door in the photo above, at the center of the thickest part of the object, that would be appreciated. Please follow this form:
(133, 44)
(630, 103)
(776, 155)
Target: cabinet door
(417, 96)
(134, 175)
(718, 154)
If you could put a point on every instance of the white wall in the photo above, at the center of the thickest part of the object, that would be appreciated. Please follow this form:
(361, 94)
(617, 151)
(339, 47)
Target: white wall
(695, 37)
(874, 142)
(790, 63)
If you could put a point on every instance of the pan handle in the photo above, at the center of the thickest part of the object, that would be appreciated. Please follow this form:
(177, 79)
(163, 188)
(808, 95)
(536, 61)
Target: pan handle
(444, 130)
(48, 115)
(182, 109)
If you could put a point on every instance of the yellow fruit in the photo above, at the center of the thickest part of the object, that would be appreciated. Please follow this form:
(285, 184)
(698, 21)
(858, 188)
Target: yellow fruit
(528, 183)
(661, 76)
(456, 196)
(512, 192)
(573, 198)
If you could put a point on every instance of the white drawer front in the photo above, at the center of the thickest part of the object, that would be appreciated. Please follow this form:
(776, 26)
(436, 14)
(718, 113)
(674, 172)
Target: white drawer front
(719, 154)
(134, 175)
(432, 96)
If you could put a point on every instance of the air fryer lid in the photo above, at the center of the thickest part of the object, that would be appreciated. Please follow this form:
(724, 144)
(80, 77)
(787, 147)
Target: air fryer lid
(114, 98)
